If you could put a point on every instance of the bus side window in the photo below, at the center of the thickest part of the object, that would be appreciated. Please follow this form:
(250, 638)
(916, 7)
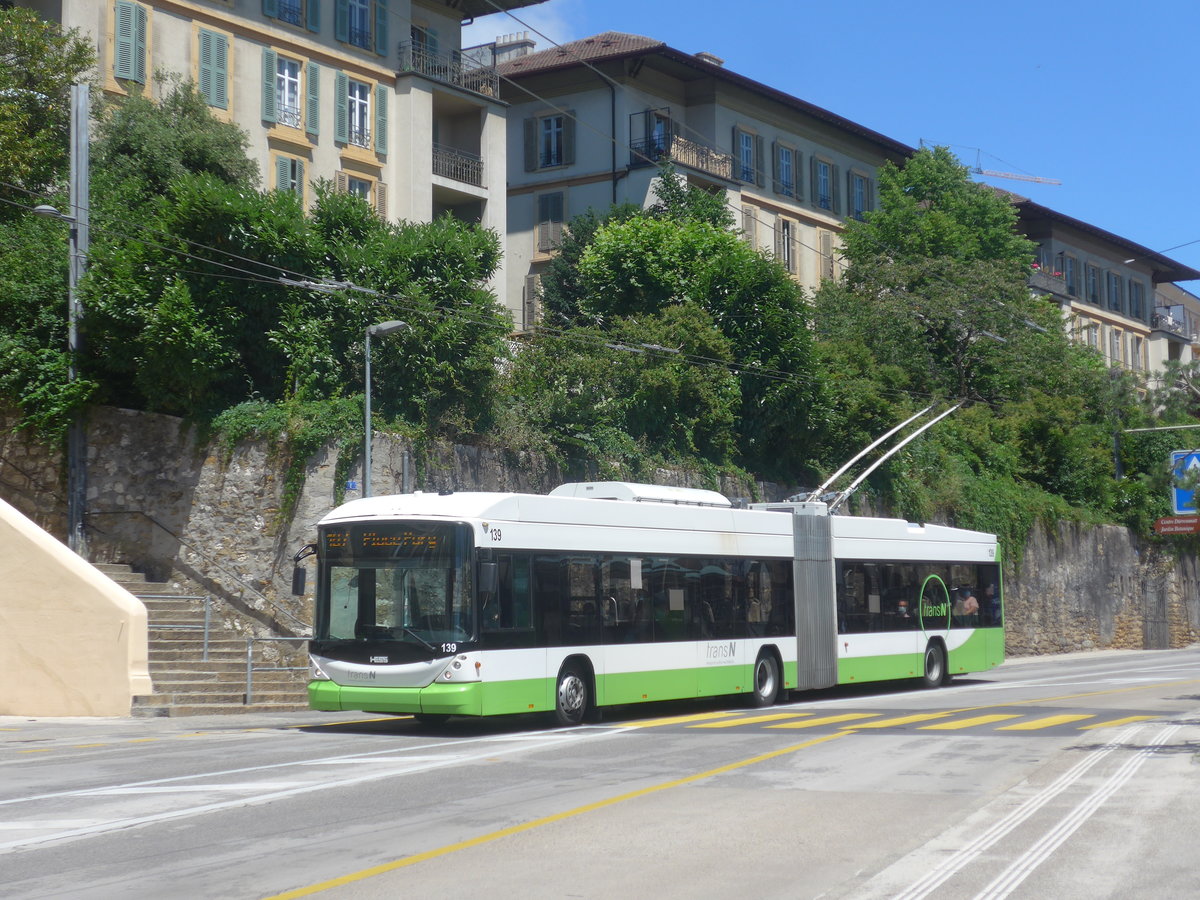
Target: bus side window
(510, 606)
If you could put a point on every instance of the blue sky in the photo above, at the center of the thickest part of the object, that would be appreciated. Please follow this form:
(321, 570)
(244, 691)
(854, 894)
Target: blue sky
(1100, 95)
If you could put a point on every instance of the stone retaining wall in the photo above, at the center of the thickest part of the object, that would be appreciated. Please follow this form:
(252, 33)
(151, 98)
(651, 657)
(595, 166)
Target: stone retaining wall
(187, 513)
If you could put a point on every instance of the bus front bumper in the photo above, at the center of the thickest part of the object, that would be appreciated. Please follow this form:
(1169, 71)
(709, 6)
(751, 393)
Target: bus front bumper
(438, 699)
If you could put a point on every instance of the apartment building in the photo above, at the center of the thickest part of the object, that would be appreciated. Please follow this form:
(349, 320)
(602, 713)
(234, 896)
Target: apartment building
(373, 95)
(1116, 296)
(590, 121)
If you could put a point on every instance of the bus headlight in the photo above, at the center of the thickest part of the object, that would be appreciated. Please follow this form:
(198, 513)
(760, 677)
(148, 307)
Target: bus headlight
(315, 672)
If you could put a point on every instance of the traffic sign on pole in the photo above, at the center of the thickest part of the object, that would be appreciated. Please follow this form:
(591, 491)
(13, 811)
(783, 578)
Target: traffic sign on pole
(1185, 471)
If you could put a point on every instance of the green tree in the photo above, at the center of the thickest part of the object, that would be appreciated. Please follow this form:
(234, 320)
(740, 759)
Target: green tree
(38, 64)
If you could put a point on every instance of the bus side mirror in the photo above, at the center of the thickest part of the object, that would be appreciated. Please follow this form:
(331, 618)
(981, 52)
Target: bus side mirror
(489, 577)
(299, 577)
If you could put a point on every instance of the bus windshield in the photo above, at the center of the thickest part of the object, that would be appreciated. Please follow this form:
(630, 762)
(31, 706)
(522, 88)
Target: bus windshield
(393, 581)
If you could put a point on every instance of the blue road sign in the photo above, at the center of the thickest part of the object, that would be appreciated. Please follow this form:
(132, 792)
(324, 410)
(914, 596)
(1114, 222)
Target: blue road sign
(1184, 463)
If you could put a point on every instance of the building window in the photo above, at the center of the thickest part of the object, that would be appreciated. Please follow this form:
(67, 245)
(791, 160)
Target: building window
(361, 23)
(1137, 349)
(358, 105)
(373, 192)
(746, 156)
(1092, 284)
(1116, 299)
(786, 162)
(860, 195)
(828, 268)
(359, 187)
(550, 217)
(1070, 270)
(1114, 346)
(549, 141)
(824, 177)
(289, 175)
(785, 244)
(1092, 336)
(306, 13)
(213, 80)
(129, 50)
(1137, 300)
(287, 92)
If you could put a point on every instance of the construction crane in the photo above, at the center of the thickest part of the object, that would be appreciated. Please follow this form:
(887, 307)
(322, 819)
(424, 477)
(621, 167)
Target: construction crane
(1015, 176)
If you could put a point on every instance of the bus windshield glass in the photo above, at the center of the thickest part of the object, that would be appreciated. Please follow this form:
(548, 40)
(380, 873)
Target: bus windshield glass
(395, 581)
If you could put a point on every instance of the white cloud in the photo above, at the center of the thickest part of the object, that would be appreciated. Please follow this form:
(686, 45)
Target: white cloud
(558, 20)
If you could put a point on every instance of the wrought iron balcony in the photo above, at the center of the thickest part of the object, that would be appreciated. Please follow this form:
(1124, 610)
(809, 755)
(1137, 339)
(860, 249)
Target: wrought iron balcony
(360, 136)
(450, 68)
(459, 165)
(289, 115)
(682, 152)
(1049, 281)
(1170, 319)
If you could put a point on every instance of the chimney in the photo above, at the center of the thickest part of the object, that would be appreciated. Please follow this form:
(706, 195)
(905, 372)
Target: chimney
(511, 46)
(710, 58)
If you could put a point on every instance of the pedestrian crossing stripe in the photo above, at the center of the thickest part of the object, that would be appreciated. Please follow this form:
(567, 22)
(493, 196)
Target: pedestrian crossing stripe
(826, 720)
(1047, 722)
(752, 720)
(674, 720)
(902, 720)
(971, 723)
(1115, 723)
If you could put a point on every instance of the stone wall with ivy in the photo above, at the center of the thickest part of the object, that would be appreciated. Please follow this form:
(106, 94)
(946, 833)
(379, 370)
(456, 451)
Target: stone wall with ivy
(184, 509)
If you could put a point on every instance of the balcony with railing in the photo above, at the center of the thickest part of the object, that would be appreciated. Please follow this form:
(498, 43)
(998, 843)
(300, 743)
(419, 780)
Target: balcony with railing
(458, 165)
(360, 136)
(1048, 280)
(453, 69)
(289, 115)
(1173, 320)
(682, 152)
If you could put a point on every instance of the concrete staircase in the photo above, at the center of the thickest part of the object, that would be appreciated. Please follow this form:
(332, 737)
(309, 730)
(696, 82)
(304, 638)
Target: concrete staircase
(192, 680)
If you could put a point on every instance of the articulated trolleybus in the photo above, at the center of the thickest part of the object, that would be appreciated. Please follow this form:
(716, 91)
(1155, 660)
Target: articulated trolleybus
(480, 604)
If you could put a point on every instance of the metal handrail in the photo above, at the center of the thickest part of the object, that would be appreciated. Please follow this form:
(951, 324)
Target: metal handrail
(460, 165)
(207, 615)
(453, 69)
(210, 562)
(251, 668)
(683, 152)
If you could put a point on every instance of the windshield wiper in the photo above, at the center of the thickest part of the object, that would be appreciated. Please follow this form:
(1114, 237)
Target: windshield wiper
(413, 634)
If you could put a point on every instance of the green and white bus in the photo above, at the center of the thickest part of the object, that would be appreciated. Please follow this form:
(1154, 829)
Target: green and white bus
(481, 604)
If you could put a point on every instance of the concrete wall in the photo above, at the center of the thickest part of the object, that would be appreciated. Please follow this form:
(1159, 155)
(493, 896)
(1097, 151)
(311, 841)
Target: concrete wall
(72, 643)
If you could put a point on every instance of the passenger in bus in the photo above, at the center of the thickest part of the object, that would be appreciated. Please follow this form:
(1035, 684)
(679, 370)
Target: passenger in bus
(966, 606)
(990, 606)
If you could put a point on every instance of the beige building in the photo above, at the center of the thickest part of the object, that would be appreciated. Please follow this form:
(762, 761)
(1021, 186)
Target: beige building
(370, 94)
(590, 121)
(1114, 294)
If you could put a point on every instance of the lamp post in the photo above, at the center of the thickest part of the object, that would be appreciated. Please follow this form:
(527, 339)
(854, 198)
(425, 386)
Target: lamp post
(379, 329)
(79, 222)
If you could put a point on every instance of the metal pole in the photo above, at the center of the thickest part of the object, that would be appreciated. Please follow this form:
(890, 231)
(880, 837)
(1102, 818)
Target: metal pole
(80, 239)
(367, 427)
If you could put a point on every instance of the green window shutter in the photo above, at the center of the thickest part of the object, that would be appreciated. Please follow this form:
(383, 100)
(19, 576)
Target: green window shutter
(341, 108)
(381, 119)
(312, 13)
(139, 43)
(300, 179)
(312, 88)
(341, 19)
(812, 184)
(531, 148)
(271, 9)
(218, 53)
(283, 174)
(123, 49)
(568, 137)
(381, 200)
(381, 27)
(760, 170)
(776, 184)
(206, 65)
(270, 66)
(835, 187)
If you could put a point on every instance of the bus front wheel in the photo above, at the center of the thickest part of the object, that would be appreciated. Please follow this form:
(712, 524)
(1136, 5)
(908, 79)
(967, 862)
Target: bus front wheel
(935, 665)
(571, 695)
(766, 681)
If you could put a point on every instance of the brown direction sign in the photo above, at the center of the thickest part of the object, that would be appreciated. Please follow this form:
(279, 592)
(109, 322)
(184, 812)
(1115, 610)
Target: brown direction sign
(1178, 525)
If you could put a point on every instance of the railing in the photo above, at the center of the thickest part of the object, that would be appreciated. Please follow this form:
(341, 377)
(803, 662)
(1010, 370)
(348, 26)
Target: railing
(289, 115)
(452, 69)
(1044, 280)
(683, 152)
(360, 136)
(289, 11)
(207, 616)
(1164, 320)
(251, 668)
(360, 36)
(303, 626)
(460, 165)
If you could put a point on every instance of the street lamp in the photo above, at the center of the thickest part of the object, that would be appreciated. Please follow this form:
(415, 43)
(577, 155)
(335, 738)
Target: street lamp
(76, 448)
(379, 329)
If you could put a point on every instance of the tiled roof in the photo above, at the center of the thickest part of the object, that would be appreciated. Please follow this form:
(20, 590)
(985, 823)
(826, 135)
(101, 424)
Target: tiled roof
(596, 47)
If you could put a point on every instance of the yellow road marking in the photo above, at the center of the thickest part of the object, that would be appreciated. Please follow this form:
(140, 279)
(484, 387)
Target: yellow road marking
(751, 720)
(827, 720)
(142, 740)
(545, 820)
(902, 720)
(1115, 722)
(351, 722)
(86, 746)
(41, 750)
(673, 720)
(970, 723)
(1047, 722)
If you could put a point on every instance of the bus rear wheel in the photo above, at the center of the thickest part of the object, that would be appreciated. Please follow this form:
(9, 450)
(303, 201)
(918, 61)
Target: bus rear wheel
(766, 681)
(935, 665)
(571, 696)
